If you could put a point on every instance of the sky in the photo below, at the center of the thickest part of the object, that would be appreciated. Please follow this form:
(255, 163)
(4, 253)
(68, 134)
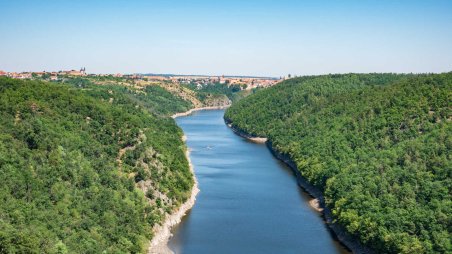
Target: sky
(229, 37)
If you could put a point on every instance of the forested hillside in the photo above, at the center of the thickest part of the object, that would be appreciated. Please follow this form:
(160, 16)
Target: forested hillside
(153, 98)
(377, 145)
(216, 93)
(209, 95)
(87, 169)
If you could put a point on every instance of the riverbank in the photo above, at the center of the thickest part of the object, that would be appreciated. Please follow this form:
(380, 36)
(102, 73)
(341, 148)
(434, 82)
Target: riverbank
(318, 203)
(186, 113)
(254, 139)
(162, 233)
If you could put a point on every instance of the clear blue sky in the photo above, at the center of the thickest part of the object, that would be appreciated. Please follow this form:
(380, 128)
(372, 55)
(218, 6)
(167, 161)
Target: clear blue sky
(254, 37)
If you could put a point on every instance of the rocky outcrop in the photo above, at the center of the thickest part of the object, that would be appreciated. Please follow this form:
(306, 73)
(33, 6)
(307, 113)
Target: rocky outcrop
(162, 233)
(217, 100)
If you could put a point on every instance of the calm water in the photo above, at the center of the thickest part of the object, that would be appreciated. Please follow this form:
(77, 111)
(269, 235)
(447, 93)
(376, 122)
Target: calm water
(249, 201)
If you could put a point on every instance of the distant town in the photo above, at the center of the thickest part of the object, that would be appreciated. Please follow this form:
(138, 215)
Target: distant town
(199, 81)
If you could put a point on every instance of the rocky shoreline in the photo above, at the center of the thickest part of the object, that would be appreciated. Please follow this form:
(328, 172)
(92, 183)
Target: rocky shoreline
(254, 139)
(318, 203)
(162, 233)
(186, 113)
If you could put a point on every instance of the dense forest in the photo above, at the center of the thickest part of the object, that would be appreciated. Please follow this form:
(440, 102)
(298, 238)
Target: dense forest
(220, 92)
(87, 168)
(153, 98)
(377, 145)
(215, 88)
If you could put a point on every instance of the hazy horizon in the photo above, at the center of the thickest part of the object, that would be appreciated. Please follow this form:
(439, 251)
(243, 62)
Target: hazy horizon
(252, 38)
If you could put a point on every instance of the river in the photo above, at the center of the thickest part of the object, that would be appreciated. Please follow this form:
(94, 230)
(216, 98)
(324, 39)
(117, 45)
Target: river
(249, 201)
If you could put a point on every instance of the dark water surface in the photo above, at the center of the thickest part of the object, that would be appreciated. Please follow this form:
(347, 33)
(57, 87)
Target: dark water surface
(249, 201)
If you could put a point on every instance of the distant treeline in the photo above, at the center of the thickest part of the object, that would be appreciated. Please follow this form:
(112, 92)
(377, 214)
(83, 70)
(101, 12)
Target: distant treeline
(216, 90)
(377, 145)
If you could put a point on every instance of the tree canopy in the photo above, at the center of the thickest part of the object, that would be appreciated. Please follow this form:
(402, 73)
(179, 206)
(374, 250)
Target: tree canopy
(377, 145)
(86, 168)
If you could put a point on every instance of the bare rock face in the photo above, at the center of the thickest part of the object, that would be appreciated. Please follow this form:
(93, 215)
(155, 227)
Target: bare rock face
(162, 233)
(217, 101)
